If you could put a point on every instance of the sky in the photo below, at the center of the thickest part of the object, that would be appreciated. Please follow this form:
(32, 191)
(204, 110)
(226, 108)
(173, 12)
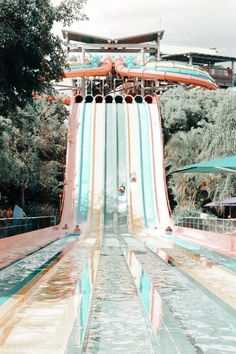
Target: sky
(197, 23)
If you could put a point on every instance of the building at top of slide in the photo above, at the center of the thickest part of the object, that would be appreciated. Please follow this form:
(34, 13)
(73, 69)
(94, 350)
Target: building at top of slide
(140, 64)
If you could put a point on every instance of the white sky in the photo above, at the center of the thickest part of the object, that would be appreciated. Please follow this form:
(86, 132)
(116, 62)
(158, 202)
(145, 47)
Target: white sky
(198, 23)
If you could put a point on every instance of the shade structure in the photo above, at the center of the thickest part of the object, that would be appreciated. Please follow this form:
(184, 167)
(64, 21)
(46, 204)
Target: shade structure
(224, 165)
(230, 201)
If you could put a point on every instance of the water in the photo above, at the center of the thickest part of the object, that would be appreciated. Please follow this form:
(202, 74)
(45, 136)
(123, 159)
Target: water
(14, 277)
(205, 323)
(216, 258)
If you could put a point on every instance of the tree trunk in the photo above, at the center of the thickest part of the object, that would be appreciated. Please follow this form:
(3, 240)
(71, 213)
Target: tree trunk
(22, 197)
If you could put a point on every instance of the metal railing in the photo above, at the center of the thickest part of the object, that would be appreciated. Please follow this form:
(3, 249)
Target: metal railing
(10, 227)
(209, 224)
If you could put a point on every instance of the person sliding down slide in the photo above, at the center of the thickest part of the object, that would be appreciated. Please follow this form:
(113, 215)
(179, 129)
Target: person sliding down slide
(133, 177)
(122, 189)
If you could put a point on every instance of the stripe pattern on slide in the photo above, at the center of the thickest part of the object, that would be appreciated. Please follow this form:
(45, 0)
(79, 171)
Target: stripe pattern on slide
(85, 164)
(146, 165)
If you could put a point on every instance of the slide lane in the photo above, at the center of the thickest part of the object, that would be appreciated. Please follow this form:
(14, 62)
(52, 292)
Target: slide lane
(84, 163)
(110, 206)
(122, 164)
(158, 165)
(148, 206)
(146, 166)
(135, 195)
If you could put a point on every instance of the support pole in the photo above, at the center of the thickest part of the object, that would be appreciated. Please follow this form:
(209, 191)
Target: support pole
(232, 67)
(158, 48)
(83, 79)
(142, 56)
(190, 59)
(142, 63)
(67, 46)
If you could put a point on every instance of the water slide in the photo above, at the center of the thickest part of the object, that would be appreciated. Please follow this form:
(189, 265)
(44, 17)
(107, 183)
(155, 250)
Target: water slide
(164, 71)
(94, 69)
(167, 71)
(101, 287)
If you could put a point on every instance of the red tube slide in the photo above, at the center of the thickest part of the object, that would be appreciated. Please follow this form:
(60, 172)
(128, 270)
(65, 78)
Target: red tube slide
(163, 75)
(102, 70)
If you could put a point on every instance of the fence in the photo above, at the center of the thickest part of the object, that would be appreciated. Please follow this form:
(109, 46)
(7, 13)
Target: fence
(11, 227)
(209, 224)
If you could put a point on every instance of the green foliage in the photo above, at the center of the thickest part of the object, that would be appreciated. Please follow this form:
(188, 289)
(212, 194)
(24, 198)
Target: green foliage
(30, 55)
(44, 209)
(198, 126)
(70, 10)
(33, 152)
(184, 110)
(188, 211)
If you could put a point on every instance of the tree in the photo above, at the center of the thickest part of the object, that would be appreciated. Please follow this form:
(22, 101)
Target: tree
(30, 55)
(183, 110)
(182, 149)
(199, 126)
(32, 154)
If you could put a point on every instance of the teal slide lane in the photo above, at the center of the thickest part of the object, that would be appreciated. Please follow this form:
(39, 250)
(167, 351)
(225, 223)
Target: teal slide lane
(146, 165)
(85, 163)
(121, 144)
(122, 164)
(110, 204)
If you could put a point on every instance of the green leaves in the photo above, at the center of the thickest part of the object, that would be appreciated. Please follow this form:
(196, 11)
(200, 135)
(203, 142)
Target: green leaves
(30, 55)
(70, 10)
(32, 151)
(198, 126)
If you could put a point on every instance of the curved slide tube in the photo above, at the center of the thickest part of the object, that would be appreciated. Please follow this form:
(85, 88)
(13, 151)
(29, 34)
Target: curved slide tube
(85, 71)
(169, 72)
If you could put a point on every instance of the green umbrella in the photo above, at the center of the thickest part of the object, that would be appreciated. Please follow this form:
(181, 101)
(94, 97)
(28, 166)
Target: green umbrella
(224, 165)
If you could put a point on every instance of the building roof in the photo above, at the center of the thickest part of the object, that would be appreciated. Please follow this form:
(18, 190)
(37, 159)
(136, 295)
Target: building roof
(199, 58)
(140, 38)
(91, 39)
(84, 38)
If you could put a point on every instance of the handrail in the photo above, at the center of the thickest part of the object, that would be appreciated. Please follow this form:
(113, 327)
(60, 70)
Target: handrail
(207, 224)
(12, 226)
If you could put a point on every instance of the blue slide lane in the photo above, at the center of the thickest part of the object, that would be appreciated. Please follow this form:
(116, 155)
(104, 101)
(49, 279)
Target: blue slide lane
(146, 166)
(85, 163)
(121, 143)
(111, 162)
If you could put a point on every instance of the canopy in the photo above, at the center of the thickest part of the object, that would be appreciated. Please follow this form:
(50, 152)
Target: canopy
(230, 201)
(224, 165)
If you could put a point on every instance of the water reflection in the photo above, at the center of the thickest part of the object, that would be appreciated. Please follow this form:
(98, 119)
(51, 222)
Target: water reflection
(84, 294)
(211, 256)
(16, 276)
(85, 289)
(166, 329)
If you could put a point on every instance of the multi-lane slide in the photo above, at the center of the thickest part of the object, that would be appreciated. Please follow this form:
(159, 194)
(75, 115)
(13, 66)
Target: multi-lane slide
(92, 295)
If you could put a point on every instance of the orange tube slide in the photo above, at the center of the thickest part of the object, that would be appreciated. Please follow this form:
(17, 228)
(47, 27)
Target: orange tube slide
(161, 75)
(102, 70)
